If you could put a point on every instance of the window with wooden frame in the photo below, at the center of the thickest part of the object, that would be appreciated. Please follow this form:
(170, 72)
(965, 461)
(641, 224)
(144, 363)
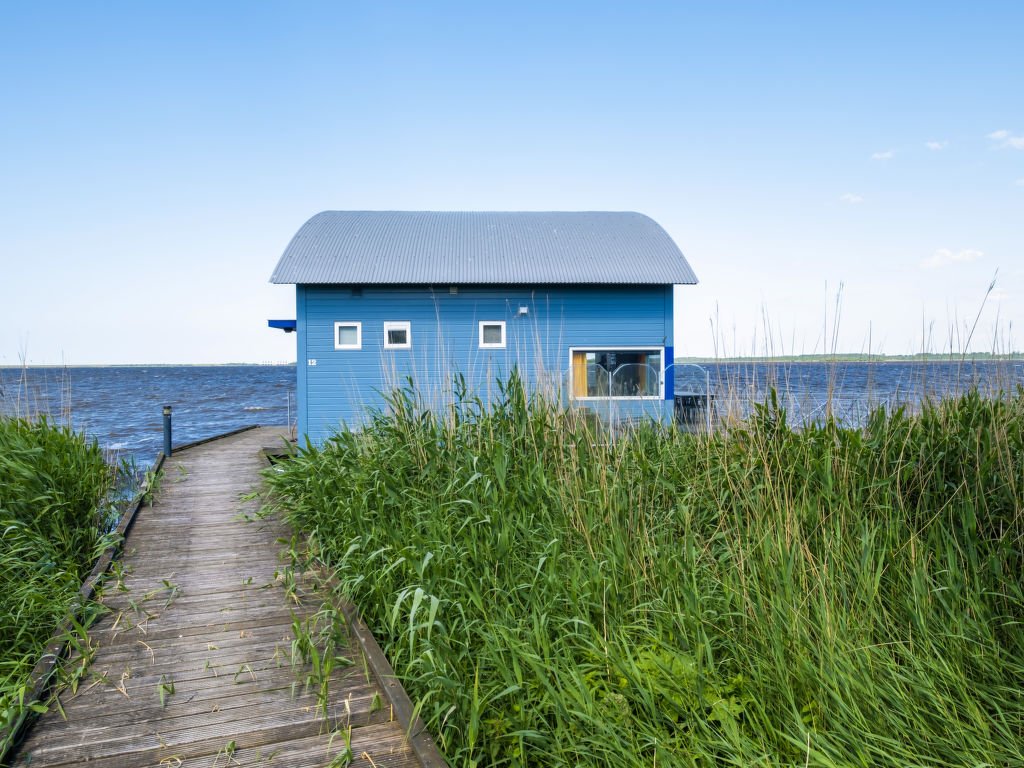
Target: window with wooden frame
(492, 334)
(397, 335)
(625, 372)
(348, 335)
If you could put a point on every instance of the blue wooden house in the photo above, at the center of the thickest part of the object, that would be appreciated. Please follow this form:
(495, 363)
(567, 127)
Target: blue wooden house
(580, 302)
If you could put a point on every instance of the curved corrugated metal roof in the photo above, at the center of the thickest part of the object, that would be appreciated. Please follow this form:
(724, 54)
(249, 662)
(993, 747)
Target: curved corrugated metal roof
(431, 247)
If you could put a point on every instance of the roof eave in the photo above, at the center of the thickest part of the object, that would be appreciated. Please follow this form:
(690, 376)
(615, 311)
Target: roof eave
(275, 281)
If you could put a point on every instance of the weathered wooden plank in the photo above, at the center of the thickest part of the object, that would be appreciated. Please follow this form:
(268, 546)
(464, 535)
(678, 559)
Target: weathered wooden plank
(144, 661)
(170, 601)
(113, 734)
(206, 582)
(203, 694)
(214, 616)
(374, 746)
(155, 630)
(265, 644)
(141, 748)
(384, 743)
(216, 623)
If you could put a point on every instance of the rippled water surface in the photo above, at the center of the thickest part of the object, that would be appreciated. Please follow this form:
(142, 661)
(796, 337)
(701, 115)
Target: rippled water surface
(122, 406)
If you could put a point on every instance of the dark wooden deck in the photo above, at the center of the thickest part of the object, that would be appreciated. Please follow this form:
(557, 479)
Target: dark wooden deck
(206, 613)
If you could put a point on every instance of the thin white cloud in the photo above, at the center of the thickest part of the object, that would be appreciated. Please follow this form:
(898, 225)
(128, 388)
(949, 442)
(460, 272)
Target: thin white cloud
(1019, 182)
(936, 145)
(849, 197)
(1005, 139)
(944, 256)
(887, 155)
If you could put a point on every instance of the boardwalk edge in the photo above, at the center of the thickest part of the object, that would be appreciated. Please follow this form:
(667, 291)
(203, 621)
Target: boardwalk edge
(44, 669)
(43, 672)
(415, 729)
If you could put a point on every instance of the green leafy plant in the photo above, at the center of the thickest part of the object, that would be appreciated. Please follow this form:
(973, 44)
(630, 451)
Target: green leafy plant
(166, 689)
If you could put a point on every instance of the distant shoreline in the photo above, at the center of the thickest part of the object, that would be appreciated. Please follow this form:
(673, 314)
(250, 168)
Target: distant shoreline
(977, 357)
(839, 358)
(147, 365)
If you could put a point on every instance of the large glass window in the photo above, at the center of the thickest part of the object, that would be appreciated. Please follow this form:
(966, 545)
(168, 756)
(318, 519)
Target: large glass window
(616, 372)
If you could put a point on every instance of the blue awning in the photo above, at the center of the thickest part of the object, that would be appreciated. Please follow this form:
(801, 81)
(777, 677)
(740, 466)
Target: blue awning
(285, 325)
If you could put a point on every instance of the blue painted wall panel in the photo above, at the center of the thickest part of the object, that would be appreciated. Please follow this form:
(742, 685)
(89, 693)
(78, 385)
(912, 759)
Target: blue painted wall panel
(338, 388)
(669, 344)
(301, 325)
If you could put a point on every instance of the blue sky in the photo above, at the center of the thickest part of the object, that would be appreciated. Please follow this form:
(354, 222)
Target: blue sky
(157, 158)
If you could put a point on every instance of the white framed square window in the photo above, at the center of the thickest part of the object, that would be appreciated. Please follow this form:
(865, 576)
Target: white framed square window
(397, 335)
(348, 335)
(492, 334)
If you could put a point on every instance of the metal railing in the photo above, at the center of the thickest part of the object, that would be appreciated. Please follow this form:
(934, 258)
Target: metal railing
(691, 393)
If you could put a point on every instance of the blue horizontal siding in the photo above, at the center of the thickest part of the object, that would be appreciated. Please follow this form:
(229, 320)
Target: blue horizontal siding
(445, 340)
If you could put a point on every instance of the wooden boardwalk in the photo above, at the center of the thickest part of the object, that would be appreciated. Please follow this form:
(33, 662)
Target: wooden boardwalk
(193, 664)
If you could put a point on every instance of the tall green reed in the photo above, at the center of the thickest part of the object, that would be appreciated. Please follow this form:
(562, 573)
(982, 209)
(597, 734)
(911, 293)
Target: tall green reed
(823, 596)
(53, 526)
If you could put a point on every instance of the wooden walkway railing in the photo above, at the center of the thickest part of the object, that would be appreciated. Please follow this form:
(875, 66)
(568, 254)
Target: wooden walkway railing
(193, 664)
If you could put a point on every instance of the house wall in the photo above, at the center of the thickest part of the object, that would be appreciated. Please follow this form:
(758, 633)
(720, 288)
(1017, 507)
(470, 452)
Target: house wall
(337, 388)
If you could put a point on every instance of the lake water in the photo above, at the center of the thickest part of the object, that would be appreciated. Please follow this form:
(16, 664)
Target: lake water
(122, 406)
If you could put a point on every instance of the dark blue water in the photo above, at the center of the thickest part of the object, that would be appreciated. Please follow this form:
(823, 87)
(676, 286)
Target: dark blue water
(122, 406)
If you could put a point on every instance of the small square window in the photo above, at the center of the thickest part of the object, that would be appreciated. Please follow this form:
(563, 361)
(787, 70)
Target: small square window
(348, 335)
(397, 336)
(492, 334)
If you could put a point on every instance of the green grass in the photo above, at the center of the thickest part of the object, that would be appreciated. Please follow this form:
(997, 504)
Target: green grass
(53, 526)
(821, 597)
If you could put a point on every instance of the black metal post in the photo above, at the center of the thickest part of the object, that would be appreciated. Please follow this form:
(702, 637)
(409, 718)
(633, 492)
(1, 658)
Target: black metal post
(167, 431)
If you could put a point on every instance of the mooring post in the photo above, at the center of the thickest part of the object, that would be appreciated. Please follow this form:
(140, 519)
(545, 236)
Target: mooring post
(167, 431)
